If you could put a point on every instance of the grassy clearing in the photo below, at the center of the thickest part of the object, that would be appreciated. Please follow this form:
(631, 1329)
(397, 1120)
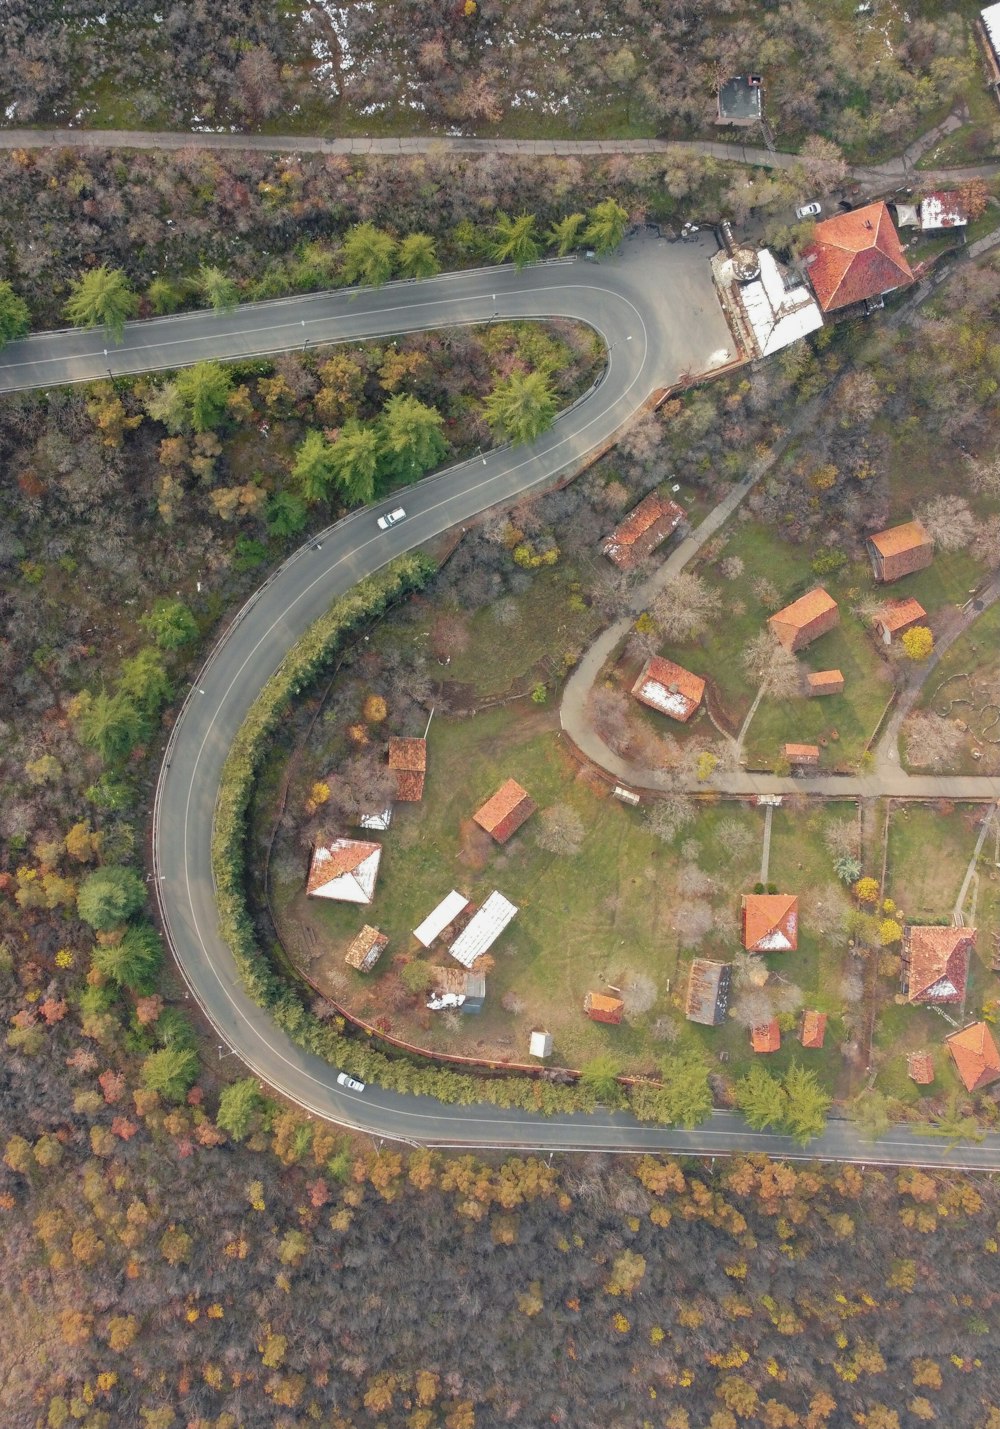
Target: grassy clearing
(622, 904)
(966, 686)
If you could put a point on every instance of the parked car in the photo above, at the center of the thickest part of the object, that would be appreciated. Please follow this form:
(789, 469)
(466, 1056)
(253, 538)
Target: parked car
(391, 518)
(809, 210)
(344, 1080)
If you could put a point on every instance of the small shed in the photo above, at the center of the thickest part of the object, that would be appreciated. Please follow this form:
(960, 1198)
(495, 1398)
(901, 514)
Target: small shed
(899, 551)
(483, 929)
(739, 101)
(366, 949)
(344, 870)
(708, 992)
(801, 754)
(503, 814)
(898, 616)
(942, 210)
(408, 762)
(378, 821)
(767, 1037)
(600, 1008)
(813, 1031)
(440, 918)
(644, 529)
(540, 1044)
(805, 620)
(669, 688)
(825, 682)
(455, 988)
(920, 1068)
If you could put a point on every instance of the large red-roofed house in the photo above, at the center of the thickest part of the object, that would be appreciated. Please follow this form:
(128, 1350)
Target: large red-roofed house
(936, 963)
(856, 257)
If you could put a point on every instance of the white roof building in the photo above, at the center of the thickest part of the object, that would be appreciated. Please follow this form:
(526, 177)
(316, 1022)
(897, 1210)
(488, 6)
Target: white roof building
(345, 870)
(440, 918)
(540, 1044)
(483, 929)
(943, 210)
(379, 820)
(990, 17)
(779, 314)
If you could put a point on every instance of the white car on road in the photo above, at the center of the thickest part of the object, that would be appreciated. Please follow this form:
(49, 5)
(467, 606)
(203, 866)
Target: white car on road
(391, 518)
(344, 1080)
(809, 210)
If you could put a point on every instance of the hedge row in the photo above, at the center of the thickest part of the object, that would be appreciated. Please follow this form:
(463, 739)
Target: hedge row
(268, 988)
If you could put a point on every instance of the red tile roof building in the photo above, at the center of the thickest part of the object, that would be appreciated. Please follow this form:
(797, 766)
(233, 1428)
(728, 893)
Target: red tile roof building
(900, 551)
(766, 1038)
(770, 922)
(813, 1029)
(669, 688)
(936, 963)
(825, 682)
(408, 762)
(645, 528)
(801, 753)
(977, 1060)
(920, 1068)
(854, 257)
(603, 1009)
(898, 616)
(805, 620)
(504, 814)
(344, 870)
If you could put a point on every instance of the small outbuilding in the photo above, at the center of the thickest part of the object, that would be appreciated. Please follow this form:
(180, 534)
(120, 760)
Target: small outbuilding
(805, 620)
(770, 922)
(408, 762)
(540, 1044)
(767, 1037)
(439, 919)
(801, 755)
(899, 551)
(708, 992)
(825, 682)
(813, 1031)
(975, 1055)
(456, 988)
(942, 210)
(740, 101)
(503, 814)
(366, 949)
(920, 1068)
(642, 531)
(895, 617)
(344, 870)
(669, 688)
(600, 1008)
(483, 929)
(988, 28)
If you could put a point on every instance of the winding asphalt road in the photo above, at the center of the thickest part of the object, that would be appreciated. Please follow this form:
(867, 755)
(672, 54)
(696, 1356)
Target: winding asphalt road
(654, 307)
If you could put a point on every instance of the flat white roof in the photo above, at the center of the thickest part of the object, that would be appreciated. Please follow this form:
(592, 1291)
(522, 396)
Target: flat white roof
(991, 19)
(483, 930)
(935, 214)
(778, 315)
(438, 919)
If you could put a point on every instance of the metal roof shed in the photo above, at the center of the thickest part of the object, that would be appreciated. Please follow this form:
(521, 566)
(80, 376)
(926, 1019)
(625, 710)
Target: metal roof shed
(483, 929)
(440, 918)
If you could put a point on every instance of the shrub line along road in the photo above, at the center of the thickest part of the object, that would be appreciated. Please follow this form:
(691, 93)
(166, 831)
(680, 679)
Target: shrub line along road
(875, 175)
(654, 307)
